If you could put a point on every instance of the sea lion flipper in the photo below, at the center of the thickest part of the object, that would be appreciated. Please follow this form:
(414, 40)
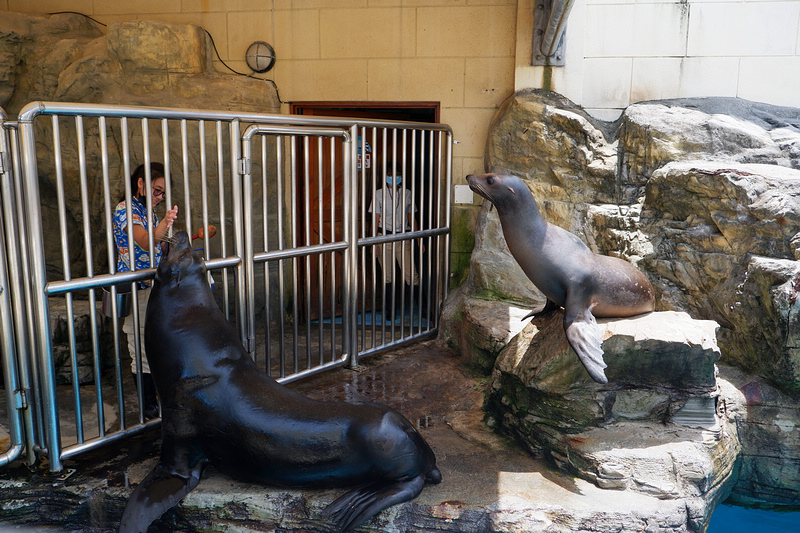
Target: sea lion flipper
(549, 305)
(357, 506)
(158, 492)
(584, 337)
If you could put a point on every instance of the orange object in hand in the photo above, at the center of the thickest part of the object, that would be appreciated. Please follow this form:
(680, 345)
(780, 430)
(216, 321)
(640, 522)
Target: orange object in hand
(212, 230)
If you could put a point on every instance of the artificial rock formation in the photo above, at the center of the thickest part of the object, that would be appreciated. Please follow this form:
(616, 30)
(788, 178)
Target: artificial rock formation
(70, 58)
(700, 194)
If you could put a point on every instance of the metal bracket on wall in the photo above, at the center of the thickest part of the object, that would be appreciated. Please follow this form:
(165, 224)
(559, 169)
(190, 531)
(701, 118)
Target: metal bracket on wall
(549, 28)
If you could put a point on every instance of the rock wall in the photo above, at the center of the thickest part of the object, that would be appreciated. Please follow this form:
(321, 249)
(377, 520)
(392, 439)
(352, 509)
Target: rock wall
(702, 195)
(69, 58)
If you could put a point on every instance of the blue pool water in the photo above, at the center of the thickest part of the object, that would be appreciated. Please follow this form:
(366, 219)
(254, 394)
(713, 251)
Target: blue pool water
(734, 519)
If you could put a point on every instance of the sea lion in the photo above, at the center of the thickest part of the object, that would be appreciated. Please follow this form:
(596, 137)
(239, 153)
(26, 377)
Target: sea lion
(565, 270)
(219, 407)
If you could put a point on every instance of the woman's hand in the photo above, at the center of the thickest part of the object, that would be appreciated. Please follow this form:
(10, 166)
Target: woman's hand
(166, 223)
(140, 234)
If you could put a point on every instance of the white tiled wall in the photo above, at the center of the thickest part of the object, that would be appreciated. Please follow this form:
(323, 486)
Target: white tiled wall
(624, 51)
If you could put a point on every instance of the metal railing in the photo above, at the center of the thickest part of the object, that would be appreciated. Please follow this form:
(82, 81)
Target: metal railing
(294, 262)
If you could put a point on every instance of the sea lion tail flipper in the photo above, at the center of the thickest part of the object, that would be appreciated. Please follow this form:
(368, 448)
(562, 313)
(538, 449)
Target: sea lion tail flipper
(584, 337)
(158, 492)
(357, 506)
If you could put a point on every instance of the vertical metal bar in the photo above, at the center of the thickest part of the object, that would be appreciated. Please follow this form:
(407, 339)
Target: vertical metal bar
(148, 191)
(374, 231)
(167, 170)
(67, 265)
(416, 243)
(187, 204)
(321, 258)
(281, 265)
(246, 326)
(12, 363)
(223, 228)
(351, 212)
(404, 224)
(112, 266)
(247, 209)
(385, 306)
(333, 255)
(22, 292)
(137, 341)
(201, 130)
(87, 241)
(433, 283)
(447, 209)
(265, 247)
(361, 184)
(307, 227)
(38, 280)
(295, 266)
(392, 261)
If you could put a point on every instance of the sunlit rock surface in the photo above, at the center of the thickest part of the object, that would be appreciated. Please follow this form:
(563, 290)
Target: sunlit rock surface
(703, 195)
(654, 428)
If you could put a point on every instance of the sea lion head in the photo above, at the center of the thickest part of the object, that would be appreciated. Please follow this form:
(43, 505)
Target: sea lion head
(178, 262)
(502, 190)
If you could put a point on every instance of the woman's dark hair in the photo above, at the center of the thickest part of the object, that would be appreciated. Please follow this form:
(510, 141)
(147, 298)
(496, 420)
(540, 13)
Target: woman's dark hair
(156, 171)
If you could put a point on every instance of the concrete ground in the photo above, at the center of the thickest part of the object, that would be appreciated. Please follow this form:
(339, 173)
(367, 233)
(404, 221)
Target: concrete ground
(488, 484)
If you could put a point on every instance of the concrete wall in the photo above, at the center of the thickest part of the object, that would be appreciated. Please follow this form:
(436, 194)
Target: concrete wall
(625, 51)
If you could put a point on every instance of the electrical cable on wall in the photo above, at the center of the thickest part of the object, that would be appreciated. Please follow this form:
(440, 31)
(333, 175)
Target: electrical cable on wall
(213, 44)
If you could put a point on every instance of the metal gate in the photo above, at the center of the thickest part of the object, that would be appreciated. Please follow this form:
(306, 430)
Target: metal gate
(294, 261)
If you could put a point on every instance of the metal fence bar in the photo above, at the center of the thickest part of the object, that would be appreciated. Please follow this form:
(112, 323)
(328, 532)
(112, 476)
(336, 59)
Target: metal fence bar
(19, 271)
(320, 278)
(15, 395)
(43, 346)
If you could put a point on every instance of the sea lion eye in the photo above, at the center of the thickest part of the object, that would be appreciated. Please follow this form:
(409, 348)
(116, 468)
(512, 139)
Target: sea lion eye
(490, 180)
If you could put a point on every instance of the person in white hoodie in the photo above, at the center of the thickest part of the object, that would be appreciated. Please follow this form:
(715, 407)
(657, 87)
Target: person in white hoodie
(392, 207)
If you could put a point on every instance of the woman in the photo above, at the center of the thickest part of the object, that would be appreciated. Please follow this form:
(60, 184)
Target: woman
(141, 258)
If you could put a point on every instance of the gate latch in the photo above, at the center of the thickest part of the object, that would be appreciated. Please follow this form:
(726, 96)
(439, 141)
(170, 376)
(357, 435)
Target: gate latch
(20, 400)
(244, 166)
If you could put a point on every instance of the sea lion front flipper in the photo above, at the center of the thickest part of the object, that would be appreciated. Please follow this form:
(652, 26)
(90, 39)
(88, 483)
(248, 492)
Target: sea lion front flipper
(584, 337)
(158, 492)
(357, 506)
(549, 306)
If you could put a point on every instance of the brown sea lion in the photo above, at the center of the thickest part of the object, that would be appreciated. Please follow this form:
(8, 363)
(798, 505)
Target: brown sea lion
(585, 284)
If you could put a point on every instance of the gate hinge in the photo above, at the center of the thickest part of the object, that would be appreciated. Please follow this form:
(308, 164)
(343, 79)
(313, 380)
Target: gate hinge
(244, 166)
(20, 400)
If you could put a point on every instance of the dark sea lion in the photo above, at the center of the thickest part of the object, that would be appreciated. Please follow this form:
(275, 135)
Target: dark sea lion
(219, 407)
(565, 270)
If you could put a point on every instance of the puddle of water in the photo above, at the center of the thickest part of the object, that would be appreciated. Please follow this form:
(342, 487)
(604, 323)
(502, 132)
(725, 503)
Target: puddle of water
(735, 519)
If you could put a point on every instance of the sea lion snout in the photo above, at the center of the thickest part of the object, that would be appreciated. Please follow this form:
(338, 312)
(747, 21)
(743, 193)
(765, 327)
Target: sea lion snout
(497, 188)
(179, 260)
(478, 183)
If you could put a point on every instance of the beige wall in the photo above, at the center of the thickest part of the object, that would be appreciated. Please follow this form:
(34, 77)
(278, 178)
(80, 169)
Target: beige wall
(456, 52)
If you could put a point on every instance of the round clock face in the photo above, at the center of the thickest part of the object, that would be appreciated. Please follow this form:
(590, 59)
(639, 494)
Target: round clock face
(260, 56)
